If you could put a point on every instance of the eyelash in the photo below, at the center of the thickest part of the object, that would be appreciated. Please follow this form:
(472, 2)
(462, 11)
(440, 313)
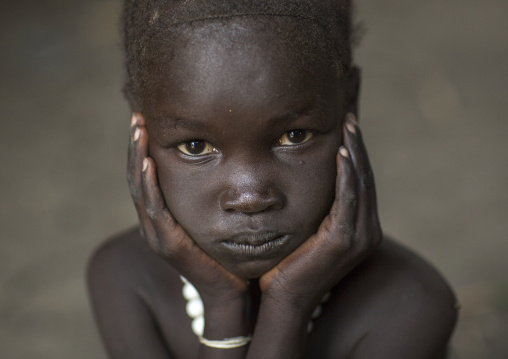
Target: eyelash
(285, 139)
(204, 148)
(188, 146)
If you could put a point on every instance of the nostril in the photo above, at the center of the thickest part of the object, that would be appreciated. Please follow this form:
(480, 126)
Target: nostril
(250, 201)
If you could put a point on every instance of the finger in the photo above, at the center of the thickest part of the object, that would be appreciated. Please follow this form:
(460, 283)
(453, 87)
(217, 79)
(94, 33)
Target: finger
(336, 234)
(366, 187)
(137, 152)
(138, 148)
(167, 236)
(342, 216)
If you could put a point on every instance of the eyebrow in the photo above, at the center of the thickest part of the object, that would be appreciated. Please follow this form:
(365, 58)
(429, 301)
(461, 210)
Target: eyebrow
(311, 111)
(179, 122)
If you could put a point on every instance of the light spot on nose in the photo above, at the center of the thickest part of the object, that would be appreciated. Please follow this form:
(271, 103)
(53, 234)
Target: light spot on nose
(251, 201)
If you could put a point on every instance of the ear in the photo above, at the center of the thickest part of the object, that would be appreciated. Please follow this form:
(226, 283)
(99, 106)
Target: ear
(353, 90)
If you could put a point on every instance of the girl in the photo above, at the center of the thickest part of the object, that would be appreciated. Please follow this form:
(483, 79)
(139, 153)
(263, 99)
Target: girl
(253, 187)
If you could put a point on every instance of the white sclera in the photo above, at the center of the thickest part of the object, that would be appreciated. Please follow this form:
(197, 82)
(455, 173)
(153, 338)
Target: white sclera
(317, 312)
(195, 308)
(189, 292)
(198, 326)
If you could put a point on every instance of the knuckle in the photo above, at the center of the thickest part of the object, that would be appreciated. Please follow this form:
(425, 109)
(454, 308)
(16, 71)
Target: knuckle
(130, 181)
(327, 235)
(134, 187)
(348, 169)
(140, 209)
(367, 181)
(334, 212)
(349, 198)
(135, 191)
(171, 248)
(160, 247)
(347, 231)
(346, 244)
(153, 243)
(153, 213)
(177, 241)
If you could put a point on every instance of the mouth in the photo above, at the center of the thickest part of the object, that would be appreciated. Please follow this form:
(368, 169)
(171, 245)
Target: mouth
(254, 245)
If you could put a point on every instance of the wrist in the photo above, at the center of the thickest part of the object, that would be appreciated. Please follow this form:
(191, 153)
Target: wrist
(227, 317)
(281, 329)
(296, 308)
(218, 316)
(297, 305)
(219, 293)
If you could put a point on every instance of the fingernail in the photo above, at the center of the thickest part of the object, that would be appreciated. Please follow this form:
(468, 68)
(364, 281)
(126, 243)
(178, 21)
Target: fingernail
(136, 134)
(343, 151)
(145, 164)
(351, 128)
(134, 119)
(352, 118)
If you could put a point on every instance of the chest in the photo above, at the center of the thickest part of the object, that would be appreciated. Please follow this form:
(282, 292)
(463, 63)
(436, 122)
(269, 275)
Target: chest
(168, 307)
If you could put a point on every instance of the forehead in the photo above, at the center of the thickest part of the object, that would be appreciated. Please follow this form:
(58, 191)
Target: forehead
(245, 61)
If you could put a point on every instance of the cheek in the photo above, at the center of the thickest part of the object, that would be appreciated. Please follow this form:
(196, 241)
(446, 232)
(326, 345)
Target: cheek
(312, 191)
(192, 194)
(188, 194)
(187, 197)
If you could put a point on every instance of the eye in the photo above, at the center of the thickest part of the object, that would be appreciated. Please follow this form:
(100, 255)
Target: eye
(196, 148)
(294, 137)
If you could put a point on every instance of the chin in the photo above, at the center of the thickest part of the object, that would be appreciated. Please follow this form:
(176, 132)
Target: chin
(251, 269)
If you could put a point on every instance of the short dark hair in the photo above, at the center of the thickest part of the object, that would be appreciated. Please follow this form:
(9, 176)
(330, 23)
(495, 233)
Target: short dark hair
(144, 20)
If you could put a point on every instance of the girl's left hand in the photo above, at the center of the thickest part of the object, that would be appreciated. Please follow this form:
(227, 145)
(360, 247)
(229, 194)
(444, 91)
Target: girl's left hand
(349, 233)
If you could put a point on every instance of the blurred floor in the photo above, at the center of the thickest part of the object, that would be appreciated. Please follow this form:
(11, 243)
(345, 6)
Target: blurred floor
(433, 112)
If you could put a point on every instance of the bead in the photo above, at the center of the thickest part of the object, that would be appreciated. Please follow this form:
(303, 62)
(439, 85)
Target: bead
(195, 308)
(189, 292)
(198, 326)
(317, 312)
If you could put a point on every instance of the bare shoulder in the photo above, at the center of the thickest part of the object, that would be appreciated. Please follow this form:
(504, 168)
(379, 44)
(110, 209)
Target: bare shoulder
(125, 265)
(131, 290)
(114, 251)
(120, 261)
(394, 305)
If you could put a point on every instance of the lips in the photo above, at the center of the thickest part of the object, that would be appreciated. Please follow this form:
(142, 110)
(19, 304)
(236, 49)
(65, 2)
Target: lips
(253, 238)
(256, 244)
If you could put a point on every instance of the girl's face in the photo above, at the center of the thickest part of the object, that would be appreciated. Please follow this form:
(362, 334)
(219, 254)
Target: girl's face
(244, 130)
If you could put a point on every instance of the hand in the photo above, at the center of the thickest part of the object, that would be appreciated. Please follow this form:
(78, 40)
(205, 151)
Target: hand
(164, 235)
(349, 233)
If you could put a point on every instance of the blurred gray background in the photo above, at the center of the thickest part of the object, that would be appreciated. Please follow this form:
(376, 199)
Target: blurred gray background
(433, 112)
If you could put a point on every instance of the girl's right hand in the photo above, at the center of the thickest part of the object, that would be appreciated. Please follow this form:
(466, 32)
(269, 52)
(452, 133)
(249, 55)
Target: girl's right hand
(165, 236)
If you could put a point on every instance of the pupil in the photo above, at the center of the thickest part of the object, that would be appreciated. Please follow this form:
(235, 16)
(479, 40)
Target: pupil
(296, 136)
(195, 147)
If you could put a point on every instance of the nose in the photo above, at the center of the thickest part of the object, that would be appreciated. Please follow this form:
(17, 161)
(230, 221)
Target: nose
(250, 193)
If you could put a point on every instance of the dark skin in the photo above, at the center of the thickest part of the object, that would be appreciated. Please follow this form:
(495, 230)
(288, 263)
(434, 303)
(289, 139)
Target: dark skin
(251, 179)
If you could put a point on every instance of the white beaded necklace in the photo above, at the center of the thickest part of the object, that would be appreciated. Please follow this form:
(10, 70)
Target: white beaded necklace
(196, 311)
